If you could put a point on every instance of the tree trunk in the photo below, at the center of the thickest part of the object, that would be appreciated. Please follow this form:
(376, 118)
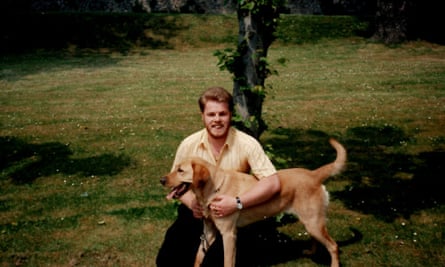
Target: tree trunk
(391, 21)
(256, 30)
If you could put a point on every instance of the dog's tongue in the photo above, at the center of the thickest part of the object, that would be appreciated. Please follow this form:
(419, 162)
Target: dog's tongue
(172, 194)
(178, 191)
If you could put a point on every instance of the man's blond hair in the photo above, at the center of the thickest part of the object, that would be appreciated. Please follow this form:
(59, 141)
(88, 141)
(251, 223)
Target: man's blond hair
(217, 94)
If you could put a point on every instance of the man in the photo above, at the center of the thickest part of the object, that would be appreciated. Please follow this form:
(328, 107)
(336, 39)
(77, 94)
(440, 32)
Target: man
(227, 148)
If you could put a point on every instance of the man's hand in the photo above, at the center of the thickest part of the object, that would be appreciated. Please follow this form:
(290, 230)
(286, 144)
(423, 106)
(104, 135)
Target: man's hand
(223, 205)
(197, 210)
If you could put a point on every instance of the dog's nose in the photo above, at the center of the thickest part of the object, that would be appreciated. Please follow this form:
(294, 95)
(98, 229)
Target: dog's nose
(163, 180)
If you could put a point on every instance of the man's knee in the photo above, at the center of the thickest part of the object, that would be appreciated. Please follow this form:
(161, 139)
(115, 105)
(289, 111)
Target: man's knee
(181, 241)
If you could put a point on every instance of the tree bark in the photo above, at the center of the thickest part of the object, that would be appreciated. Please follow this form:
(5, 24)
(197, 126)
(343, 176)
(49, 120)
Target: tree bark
(255, 36)
(391, 21)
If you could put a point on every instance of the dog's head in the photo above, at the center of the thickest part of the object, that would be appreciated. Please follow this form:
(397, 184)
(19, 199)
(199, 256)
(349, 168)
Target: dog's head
(191, 172)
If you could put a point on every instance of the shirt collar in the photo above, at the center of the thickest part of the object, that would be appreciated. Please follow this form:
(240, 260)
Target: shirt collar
(229, 140)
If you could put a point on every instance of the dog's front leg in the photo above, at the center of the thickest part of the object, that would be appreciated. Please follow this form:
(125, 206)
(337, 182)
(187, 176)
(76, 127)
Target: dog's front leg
(229, 241)
(207, 239)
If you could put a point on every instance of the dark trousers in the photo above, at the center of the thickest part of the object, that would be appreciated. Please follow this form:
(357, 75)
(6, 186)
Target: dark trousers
(181, 240)
(255, 243)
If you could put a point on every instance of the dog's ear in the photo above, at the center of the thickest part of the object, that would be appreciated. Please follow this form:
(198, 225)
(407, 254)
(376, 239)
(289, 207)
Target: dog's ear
(200, 175)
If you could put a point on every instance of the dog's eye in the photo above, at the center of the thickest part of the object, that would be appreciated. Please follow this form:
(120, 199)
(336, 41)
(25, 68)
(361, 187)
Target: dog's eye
(180, 170)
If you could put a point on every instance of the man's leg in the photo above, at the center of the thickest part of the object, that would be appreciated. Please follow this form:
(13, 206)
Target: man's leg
(181, 241)
(215, 254)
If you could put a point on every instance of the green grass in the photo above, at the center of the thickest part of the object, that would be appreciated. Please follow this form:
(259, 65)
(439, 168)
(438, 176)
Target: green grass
(85, 138)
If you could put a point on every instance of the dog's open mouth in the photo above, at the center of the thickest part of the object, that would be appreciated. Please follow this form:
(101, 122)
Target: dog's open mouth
(178, 191)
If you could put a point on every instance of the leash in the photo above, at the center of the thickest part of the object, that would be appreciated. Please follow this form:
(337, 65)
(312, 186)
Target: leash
(218, 188)
(204, 242)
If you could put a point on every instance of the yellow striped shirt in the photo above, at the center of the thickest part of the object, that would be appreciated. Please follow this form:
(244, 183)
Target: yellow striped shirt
(241, 152)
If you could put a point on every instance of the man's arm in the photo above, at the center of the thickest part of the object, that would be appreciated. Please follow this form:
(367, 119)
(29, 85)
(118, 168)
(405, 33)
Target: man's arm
(262, 191)
(267, 186)
(224, 205)
(189, 199)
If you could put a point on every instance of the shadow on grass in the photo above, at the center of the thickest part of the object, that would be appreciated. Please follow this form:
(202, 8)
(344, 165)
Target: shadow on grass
(165, 212)
(383, 183)
(273, 247)
(15, 67)
(47, 41)
(261, 244)
(24, 162)
(116, 31)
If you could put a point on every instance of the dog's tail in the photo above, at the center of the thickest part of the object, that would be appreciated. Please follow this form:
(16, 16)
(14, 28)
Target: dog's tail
(335, 167)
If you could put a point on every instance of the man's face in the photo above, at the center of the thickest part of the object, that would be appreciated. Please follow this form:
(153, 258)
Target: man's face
(216, 117)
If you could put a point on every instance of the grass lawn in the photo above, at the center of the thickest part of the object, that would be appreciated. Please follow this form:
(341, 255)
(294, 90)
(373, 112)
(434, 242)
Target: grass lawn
(85, 138)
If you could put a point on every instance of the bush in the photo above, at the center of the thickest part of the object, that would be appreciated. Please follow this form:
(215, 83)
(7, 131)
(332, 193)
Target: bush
(124, 31)
(303, 29)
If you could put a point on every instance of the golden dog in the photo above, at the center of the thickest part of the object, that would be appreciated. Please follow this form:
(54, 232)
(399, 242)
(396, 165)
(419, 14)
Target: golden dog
(302, 193)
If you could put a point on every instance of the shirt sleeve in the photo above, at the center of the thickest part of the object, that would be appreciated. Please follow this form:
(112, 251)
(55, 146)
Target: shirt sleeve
(259, 162)
(180, 154)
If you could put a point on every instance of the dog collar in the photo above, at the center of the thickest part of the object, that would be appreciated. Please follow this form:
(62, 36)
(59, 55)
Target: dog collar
(239, 205)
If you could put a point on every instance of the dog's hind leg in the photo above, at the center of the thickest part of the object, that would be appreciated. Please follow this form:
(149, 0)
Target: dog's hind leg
(319, 232)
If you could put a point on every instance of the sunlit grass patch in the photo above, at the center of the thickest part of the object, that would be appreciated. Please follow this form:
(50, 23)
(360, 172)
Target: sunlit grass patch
(84, 140)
